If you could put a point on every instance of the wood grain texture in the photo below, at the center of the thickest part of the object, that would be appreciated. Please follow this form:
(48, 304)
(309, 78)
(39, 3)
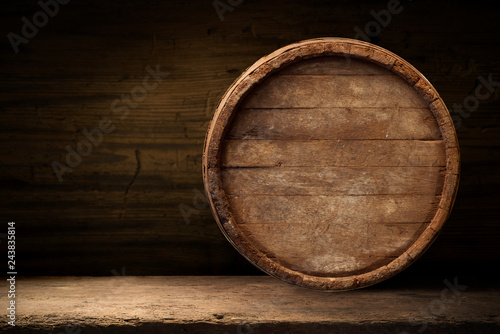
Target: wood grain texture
(92, 52)
(303, 181)
(222, 304)
(344, 209)
(316, 181)
(339, 153)
(310, 91)
(335, 123)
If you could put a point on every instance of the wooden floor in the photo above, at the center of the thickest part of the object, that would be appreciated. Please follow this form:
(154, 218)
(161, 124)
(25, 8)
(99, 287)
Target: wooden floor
(216, 304)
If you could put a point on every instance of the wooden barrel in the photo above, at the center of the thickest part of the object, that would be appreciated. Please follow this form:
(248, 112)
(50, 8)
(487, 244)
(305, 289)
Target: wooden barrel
(331, 164)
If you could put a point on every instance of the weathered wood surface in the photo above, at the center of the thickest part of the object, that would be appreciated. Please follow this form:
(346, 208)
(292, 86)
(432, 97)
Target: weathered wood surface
(326, 169)
(317, 181)
(238, 305)
(333, 153)
(402, 209)
(92, 52)
(349, 90)
(335, 123)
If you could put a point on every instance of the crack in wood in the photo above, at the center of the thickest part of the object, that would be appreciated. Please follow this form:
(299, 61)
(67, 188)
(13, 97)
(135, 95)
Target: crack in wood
(131, 183)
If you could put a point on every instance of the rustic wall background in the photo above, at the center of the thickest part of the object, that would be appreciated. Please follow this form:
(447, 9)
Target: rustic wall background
(132, 205)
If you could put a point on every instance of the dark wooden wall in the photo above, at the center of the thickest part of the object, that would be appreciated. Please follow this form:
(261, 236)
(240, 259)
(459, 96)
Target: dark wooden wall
(119, 208)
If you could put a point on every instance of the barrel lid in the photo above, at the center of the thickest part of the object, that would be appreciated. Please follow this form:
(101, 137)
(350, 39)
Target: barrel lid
(331, 164)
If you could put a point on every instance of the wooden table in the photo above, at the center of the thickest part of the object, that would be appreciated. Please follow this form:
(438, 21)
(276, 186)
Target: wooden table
(245, 304)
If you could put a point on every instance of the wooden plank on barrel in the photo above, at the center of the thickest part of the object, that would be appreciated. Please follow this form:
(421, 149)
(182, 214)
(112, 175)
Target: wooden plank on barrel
(316, 181)
(340, 153)
(313, 91)
(335, 123)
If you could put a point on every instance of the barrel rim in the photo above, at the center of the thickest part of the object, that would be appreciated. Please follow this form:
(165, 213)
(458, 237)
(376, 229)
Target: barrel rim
(266, 66)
